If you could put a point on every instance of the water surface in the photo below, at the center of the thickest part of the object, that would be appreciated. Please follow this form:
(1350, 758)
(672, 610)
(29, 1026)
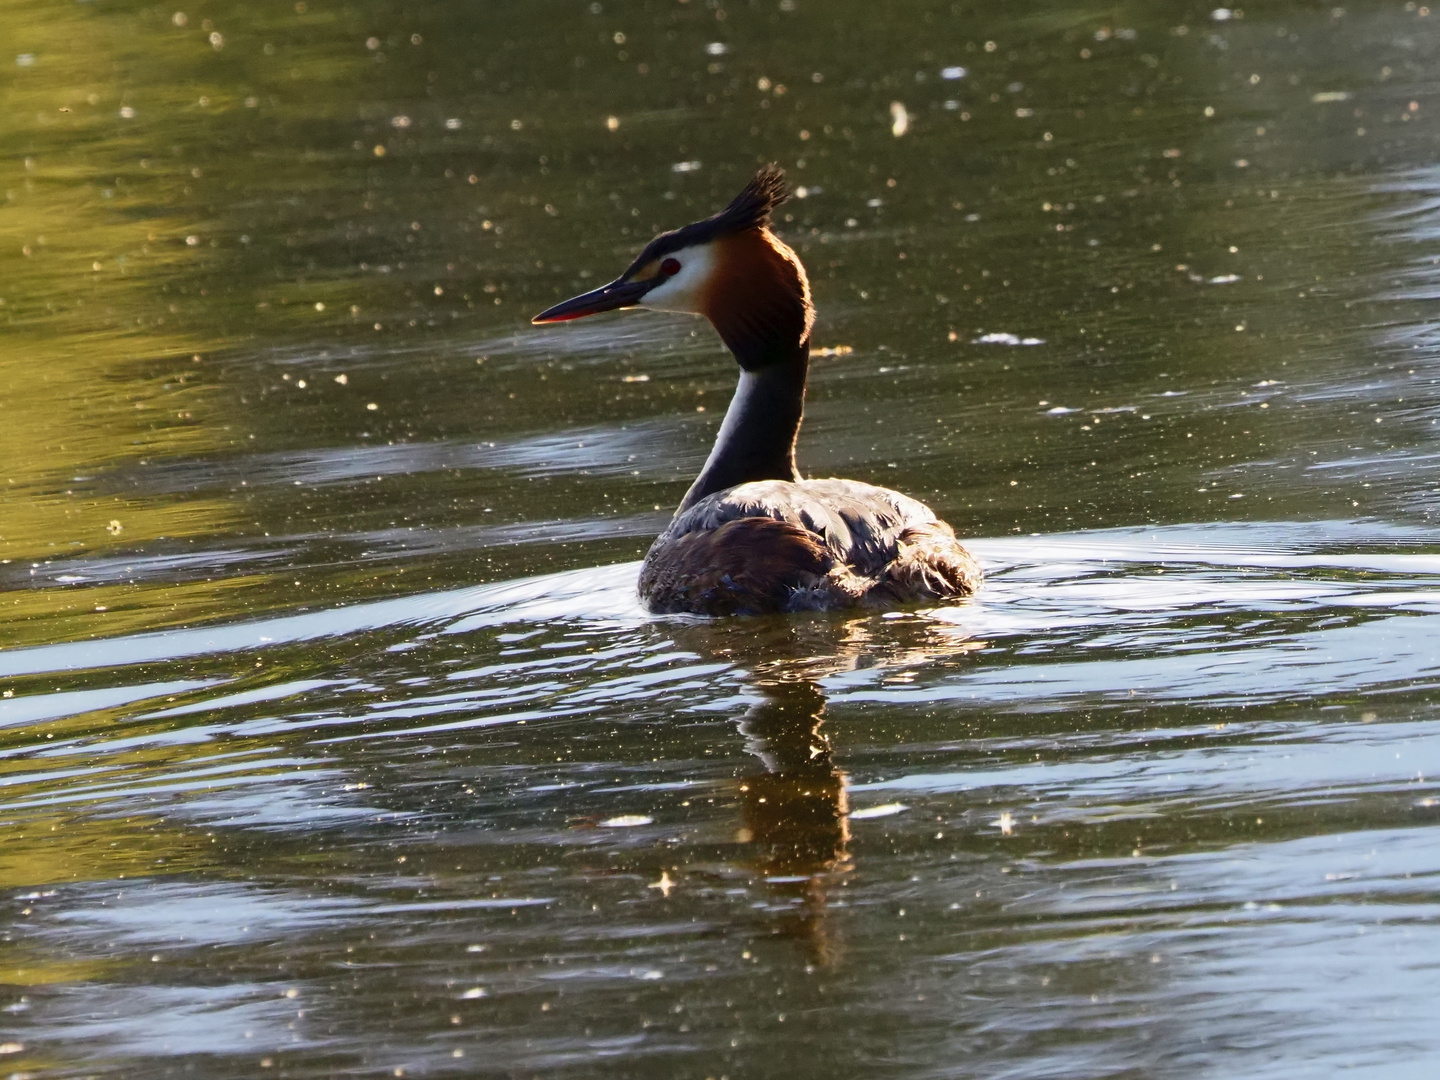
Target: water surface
(334, 740)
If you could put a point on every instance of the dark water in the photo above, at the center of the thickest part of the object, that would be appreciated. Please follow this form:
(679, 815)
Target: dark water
(333, 740)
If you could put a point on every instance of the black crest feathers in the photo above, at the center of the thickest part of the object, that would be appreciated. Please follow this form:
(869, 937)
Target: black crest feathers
(751, 208)
(748, 210)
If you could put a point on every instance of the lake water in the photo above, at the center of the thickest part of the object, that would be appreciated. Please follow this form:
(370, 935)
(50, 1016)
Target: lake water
(334, 740)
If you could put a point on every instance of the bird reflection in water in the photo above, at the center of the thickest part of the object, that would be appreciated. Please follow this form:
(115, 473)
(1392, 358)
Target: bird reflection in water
(795, 810)
(796, 813)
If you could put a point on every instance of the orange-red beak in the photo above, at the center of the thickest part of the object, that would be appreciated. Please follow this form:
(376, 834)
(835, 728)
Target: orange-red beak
(618, 294)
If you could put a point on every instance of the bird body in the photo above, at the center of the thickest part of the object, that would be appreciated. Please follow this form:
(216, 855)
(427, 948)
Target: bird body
(751, 536)
(805, 545)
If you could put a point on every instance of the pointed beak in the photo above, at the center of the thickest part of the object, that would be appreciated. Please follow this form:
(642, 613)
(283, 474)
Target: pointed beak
(618, 294)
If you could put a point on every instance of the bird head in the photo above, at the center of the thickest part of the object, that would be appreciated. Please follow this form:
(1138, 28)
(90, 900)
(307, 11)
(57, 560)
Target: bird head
(729, 268)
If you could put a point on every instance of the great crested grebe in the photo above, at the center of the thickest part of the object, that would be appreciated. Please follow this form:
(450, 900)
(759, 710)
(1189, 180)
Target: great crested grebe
(751, 536)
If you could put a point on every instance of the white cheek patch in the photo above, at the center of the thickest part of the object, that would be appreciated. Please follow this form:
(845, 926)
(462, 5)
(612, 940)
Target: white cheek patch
(682, 291)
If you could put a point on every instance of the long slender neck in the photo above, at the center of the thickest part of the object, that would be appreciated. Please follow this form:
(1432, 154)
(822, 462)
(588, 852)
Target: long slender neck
(757, 437)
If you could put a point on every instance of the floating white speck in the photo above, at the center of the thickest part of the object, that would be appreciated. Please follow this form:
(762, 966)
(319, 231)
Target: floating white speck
(1222, 14)
(716, 48)
(454, 124)
(1224, 279)
(685, 166)
(400, 121)
(473, 993)
(626, 821)
(127, 113)
(883, 810)
(1330, 95)
(899, 119)
(874, 203)
(1060, 410)
(953, 73)
(25, 59)
(1003, 338)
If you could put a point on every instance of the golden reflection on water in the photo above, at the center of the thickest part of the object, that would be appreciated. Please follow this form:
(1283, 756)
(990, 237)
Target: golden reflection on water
(108, 223)
(65, 847)
(39, 616)
(95, 369)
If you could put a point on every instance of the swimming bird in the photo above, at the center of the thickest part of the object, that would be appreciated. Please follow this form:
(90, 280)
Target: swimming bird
(751, 536)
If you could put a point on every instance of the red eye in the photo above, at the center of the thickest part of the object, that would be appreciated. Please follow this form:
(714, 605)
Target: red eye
(670, 267)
